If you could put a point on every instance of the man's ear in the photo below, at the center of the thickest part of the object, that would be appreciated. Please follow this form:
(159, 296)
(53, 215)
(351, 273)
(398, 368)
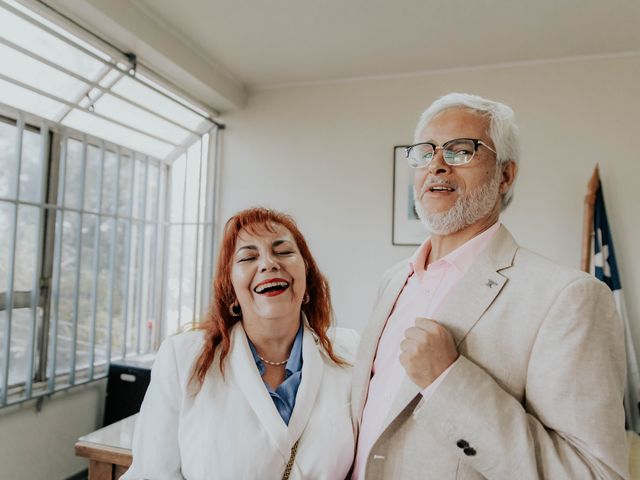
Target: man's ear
(509, 171)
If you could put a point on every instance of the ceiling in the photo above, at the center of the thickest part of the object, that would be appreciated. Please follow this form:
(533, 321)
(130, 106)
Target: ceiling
(218, 51)
(266, 43)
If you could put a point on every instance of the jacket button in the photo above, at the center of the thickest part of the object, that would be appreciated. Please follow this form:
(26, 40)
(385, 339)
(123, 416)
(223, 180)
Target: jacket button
(469, 451)
(462, 443)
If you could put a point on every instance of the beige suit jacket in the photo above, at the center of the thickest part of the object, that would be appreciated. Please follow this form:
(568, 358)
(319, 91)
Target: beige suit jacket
(536, 392)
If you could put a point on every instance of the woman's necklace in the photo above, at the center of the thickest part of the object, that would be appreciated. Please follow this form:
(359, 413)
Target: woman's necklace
(274, 364)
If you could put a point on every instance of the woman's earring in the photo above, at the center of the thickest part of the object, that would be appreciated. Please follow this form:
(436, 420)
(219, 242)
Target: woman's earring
(234, 309)
(306, 298)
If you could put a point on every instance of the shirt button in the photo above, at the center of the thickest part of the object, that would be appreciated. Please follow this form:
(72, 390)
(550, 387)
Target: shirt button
(469, 451)
(462, 443)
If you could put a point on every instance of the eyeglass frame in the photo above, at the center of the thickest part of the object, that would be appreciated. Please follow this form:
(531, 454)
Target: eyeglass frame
(476, 143)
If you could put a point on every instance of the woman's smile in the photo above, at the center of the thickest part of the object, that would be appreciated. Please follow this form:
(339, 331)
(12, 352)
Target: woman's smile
(272, 287)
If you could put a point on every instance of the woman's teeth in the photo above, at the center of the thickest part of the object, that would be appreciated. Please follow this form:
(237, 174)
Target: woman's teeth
(265, 287)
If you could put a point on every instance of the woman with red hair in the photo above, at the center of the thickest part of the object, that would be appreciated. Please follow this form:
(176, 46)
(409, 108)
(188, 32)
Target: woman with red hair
(261, 389)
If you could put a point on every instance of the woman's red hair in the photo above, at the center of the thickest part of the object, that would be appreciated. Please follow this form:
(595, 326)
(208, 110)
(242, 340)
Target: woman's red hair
(219, 321)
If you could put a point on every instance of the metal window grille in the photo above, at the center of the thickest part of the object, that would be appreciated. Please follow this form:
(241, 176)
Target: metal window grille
(107, 186)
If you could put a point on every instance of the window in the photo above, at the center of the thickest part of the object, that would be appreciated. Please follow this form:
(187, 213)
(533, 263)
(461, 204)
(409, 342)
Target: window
(190, 233)
(106, 202)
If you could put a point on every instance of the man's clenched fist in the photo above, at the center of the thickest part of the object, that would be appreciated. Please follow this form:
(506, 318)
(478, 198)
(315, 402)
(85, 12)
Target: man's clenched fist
(427, 350)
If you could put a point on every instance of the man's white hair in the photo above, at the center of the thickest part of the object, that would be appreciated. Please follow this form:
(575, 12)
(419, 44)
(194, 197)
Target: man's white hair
(502, 126)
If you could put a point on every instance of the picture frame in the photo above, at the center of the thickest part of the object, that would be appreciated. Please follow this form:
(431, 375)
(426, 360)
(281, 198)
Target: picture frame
(407, 230)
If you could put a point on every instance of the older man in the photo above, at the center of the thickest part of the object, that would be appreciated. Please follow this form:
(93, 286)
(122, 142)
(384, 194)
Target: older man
(483, 359)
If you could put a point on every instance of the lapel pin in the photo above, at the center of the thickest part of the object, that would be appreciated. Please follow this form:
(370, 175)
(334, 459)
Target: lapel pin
(490, 283)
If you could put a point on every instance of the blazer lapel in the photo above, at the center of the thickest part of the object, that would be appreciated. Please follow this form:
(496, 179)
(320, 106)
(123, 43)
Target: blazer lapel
(465, 304)
(480, 285)
(246, 376)
(369, 341)
(312, 370)
(407, 392)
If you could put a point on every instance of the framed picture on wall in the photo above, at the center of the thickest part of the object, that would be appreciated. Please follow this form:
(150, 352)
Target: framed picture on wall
(407, 228)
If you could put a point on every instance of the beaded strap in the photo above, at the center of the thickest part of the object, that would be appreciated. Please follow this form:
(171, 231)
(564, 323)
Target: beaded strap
(292, 457)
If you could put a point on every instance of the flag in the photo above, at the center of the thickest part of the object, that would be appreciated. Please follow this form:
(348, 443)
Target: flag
(605, 268)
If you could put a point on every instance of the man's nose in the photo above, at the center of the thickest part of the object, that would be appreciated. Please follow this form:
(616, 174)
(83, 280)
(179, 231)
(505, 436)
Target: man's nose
(437, 164)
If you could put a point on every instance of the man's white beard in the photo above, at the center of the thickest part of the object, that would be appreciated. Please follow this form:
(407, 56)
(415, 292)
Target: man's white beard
(468, 209)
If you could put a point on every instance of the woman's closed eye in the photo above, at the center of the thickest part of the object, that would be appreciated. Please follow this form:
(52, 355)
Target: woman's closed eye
(249, 258)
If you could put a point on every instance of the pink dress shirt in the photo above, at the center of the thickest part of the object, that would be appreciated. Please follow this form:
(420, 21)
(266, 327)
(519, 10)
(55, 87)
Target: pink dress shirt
(422, 295)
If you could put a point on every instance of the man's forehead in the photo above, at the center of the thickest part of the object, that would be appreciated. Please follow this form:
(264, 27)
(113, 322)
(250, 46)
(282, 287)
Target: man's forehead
(459, 119)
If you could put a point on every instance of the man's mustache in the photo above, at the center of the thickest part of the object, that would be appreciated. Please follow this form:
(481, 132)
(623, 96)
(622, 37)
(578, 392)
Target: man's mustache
(437, 181)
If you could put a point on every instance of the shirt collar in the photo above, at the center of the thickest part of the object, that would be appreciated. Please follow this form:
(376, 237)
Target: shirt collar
(461, 258)
(294, 364)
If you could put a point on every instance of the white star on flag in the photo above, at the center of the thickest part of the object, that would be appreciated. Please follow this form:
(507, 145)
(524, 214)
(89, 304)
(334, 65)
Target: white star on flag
(601, 259)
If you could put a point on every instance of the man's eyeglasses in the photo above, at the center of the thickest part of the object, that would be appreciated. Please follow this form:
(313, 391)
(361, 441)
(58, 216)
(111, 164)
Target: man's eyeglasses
(459, 151)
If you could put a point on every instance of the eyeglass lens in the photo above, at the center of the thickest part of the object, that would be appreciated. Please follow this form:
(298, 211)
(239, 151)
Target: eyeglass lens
(455, 152)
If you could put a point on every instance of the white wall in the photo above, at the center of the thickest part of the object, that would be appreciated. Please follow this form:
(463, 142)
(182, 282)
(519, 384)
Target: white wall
(324, 154)
(39, 445)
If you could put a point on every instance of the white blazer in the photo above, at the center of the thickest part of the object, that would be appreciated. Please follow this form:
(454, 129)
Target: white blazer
(231, 429)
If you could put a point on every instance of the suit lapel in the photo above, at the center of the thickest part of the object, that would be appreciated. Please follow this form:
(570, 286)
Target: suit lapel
(465, 304)
(246, 376)
(312, 371)
(370, 338)
(480, 285)
(407, 392)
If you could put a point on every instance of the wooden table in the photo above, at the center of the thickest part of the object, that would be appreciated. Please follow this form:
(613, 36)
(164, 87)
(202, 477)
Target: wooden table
(108, 449)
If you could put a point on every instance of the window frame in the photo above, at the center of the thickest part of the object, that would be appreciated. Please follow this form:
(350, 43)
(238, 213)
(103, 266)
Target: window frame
(42, 379)
(54, 137)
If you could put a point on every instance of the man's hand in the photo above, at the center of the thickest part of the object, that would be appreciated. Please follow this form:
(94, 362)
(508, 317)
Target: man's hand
(427, 350)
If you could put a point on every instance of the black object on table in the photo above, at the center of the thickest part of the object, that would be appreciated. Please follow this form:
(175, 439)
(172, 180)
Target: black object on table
(126, 385)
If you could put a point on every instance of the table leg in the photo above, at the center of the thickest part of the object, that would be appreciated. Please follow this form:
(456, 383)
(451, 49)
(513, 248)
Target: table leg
(100, 470)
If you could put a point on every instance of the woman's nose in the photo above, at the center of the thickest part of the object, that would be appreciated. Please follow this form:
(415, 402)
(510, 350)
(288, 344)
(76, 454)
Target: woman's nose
(269, 263)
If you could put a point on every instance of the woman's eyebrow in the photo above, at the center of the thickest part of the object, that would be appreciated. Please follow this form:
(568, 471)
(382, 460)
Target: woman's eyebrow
(277, 243)
(247, 247)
